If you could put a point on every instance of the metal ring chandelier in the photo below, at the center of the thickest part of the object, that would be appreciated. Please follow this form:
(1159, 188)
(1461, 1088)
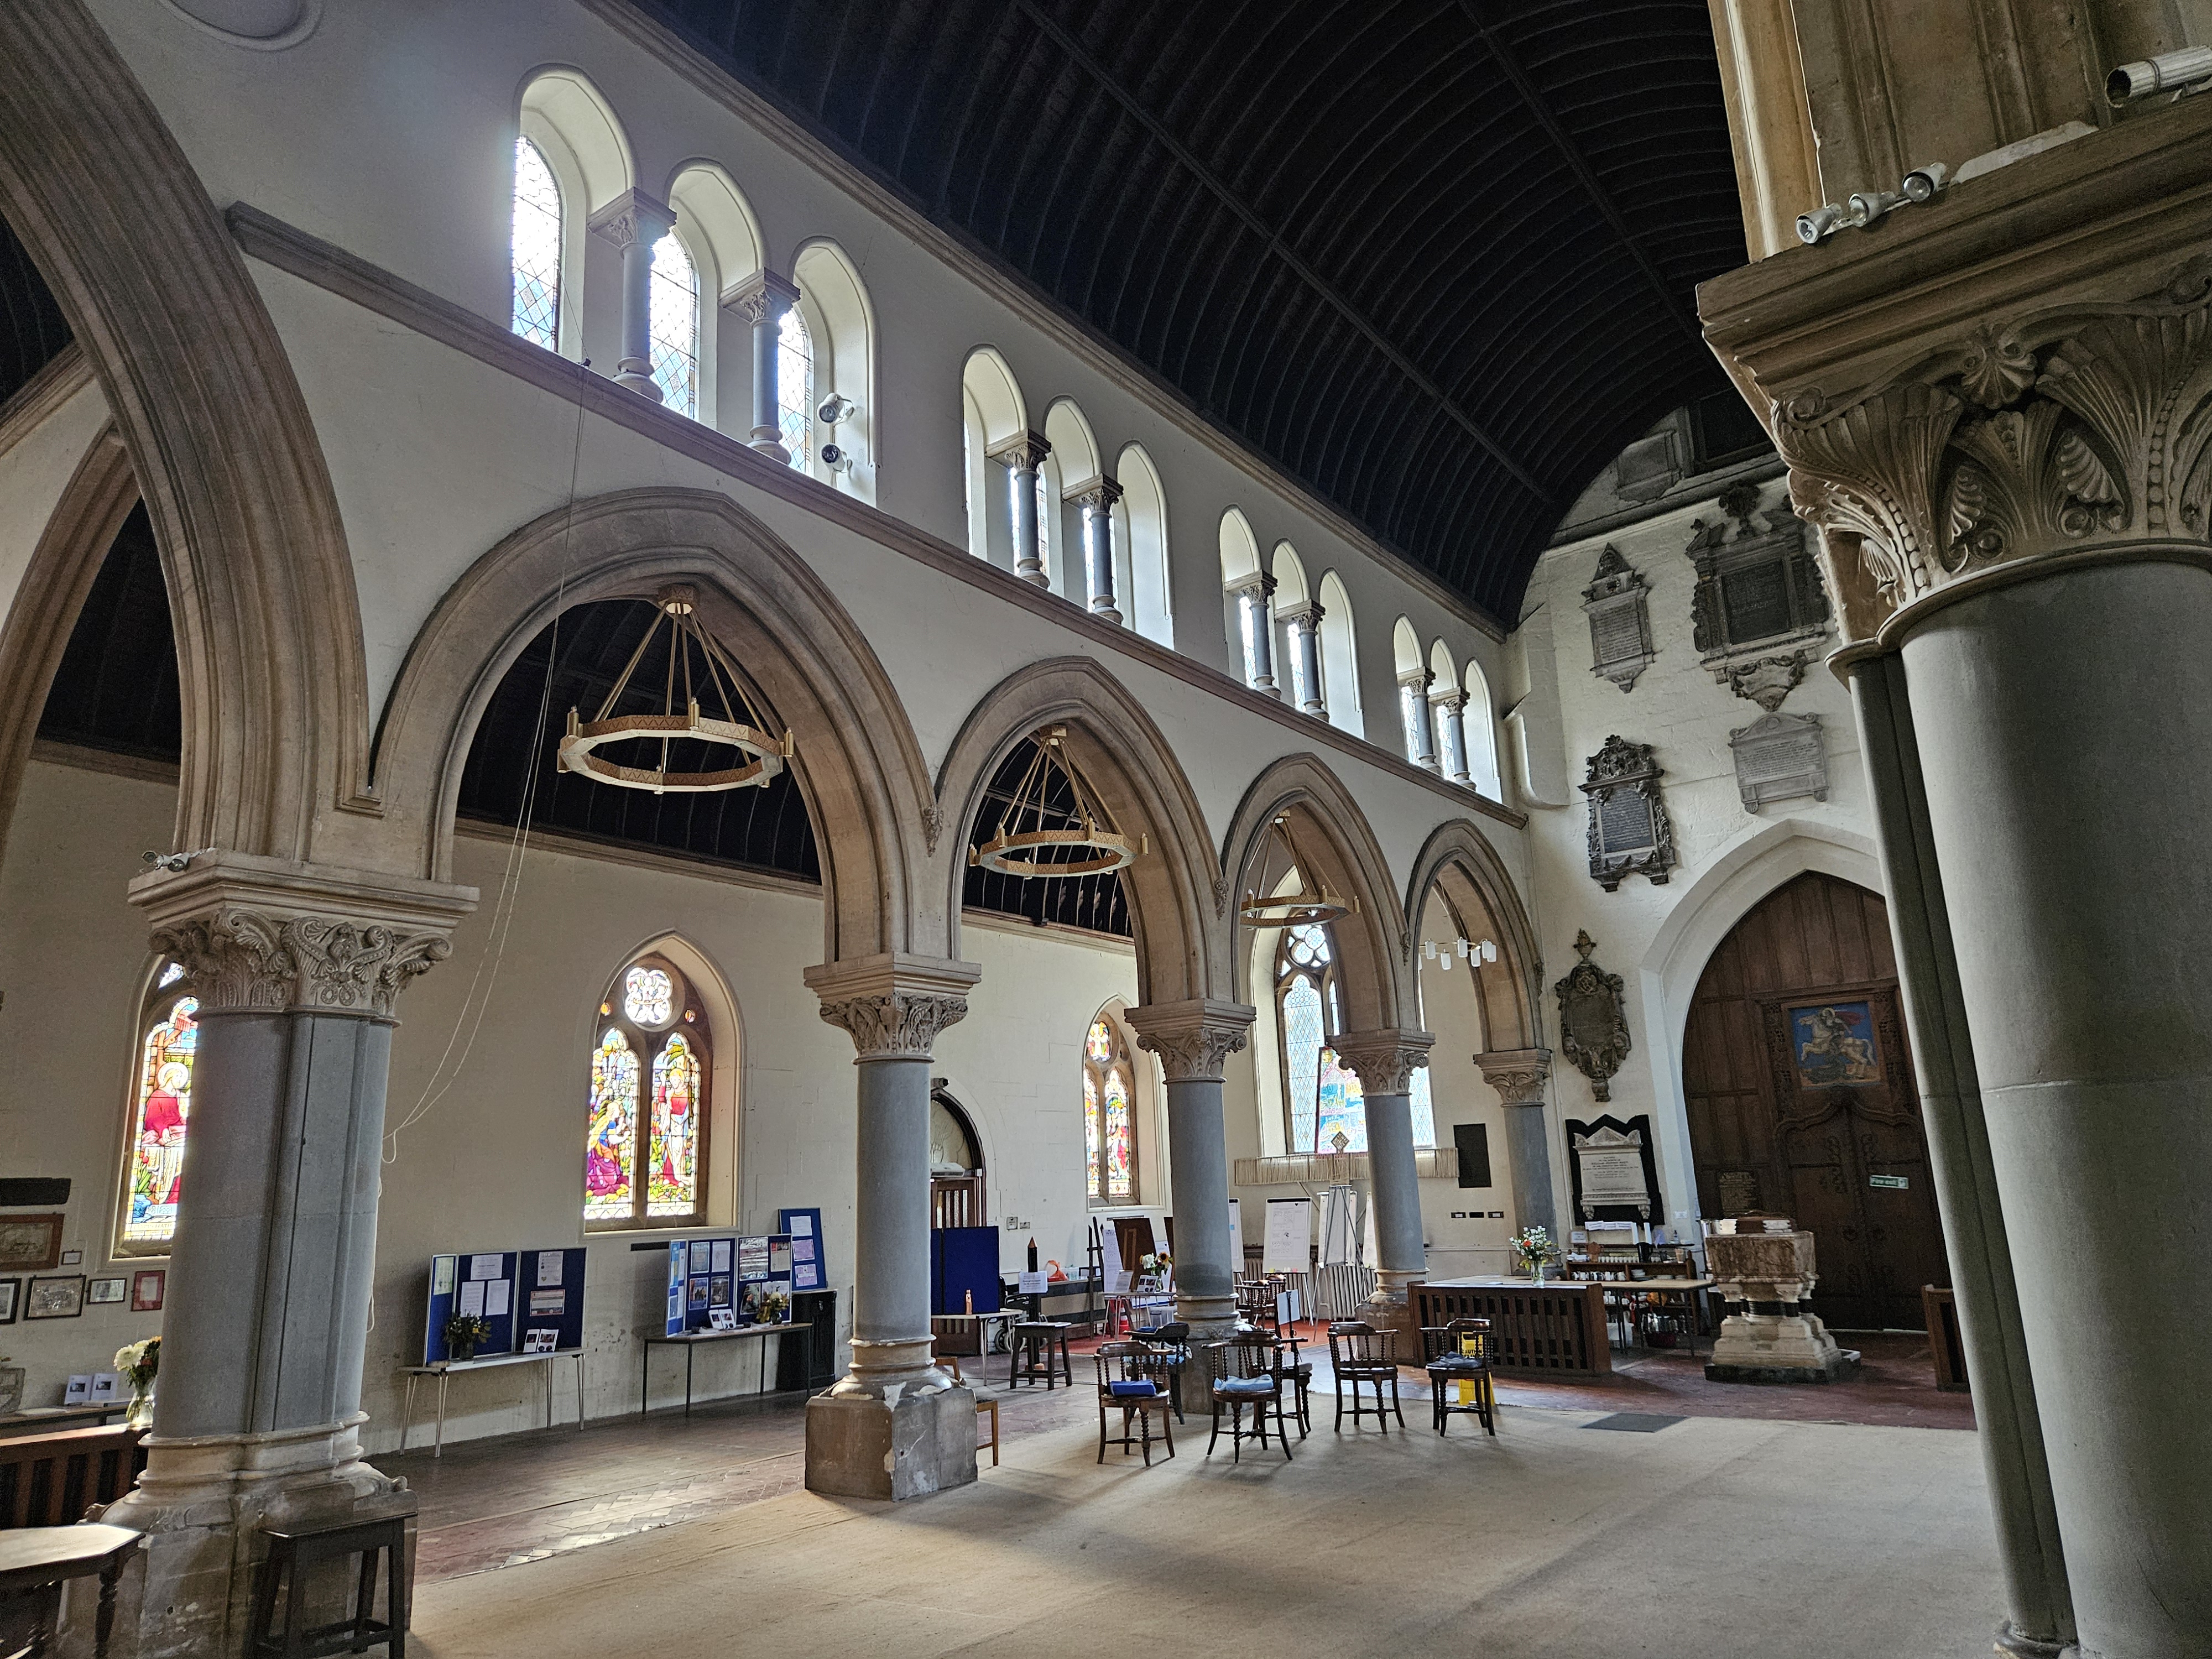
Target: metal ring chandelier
(765, 755)
(1289, 909)
(1092, 847)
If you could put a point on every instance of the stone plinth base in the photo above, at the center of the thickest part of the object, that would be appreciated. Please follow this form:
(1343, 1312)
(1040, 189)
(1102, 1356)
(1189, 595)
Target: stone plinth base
(1779, 1347)
(908, 1447)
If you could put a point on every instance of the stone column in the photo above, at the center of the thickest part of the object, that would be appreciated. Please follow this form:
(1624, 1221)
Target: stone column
(895, 1425)
(258, 1415)
(1193, 1040)
(1097, 505)
(1451, 719)
(762, 299)
(1519, 1075)
(1305, 625)
(1022, 456)
(1255, 615)
(1384, 1063)
(1420, 726)
(634, 221)
(2039, 1611)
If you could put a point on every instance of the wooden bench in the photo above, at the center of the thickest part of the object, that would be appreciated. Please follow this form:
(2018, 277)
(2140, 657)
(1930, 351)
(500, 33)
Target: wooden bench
(51, 1479)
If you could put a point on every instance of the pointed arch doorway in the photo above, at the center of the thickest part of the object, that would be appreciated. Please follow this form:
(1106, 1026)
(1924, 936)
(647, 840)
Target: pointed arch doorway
(1802, 1102)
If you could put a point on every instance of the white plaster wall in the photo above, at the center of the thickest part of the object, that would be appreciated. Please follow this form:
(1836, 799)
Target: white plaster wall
(1657, 938)
(34, 471)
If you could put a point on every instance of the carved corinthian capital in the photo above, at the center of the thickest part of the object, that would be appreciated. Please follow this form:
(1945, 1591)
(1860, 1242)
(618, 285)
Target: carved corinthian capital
(1384, 1061)
(894, 1005)
(262, 934)
(1518, 1074)
(1192, 1039)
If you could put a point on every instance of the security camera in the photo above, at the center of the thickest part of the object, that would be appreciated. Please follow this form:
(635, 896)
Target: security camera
(834, 408)
(1925, 184)
(2170, 71)
(836, 460)
(1821, 224)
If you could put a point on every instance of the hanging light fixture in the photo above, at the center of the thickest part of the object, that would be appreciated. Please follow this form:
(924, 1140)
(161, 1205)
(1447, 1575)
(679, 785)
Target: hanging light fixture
(1474, 952)
(679, 719)
(1090, 846)
(1297, 909)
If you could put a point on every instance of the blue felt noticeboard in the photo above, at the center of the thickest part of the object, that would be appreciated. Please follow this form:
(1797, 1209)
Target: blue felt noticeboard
(451, 1280)
(549, 1295)
(810, 1266)
(963, 1261)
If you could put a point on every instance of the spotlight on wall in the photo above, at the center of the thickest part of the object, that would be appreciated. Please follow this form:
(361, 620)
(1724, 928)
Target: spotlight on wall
(1924, 184)
(2170, 71)
(835, 458)
(172, 862)
(834, 408)
(1821, 224)
(1868, 205)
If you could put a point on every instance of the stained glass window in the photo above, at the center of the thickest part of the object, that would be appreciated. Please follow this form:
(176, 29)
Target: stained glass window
(1310, 1012)
(675, 324)
(1302, 1034)
(1339, 1109)
(160, 1114)
(794, 387)
(536, 249)
(646, 1148)
(1110, 1131)
(675, 1175)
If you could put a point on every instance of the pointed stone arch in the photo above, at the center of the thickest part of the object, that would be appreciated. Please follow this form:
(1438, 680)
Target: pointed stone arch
(1373, 947)
(858, 766)
(1176, 898)
(1459, 863)
(268, 627)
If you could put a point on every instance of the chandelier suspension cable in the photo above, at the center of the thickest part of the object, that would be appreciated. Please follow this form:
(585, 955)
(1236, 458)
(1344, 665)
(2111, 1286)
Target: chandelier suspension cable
(1094, 844)
(1318, 903)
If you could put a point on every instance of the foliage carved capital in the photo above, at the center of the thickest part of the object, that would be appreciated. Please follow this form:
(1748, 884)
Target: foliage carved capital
(1384, 1061)
(1194, 1040)
(898, 1025)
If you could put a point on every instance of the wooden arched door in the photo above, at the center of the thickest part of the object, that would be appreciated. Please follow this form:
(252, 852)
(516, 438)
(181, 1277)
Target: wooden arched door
(1802, 1102)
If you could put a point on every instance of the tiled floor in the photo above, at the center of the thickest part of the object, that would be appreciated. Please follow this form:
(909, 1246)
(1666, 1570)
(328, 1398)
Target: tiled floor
(499, 1503)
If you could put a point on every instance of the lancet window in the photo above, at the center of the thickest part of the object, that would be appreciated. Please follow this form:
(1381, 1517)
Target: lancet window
(535, 251)
(674, 320)
(161, 1115)
(1109, 1114)
(645, 1154)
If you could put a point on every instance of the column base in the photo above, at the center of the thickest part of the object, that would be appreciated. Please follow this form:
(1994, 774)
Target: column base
(1106, 613)
(636, 375)
(890, 1446)
(1390, 1309)
(2011, 1639)
(1033, 575)
(199, 1501)
(768, 441)
(1194, 1384)
(1757, 1347)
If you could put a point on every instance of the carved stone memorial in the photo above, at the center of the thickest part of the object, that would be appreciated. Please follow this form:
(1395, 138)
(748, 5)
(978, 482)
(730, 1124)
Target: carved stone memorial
(1759, 613)
(1780, 757)
(1614, 1174)
(1616, 601)
(1629, 833)
(1593, 1020)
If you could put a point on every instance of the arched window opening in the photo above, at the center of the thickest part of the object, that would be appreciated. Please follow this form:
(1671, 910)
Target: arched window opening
(161, 1115)
(675, 321)
(1108, 1115)
(535, 249)
(1321, 1100)
(645, 1155)
(795, 388)
(1340, 658)
(1481, 721)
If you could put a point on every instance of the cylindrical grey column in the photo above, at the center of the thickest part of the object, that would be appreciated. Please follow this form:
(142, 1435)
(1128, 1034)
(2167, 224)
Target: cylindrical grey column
(1420, 724)
(1305, 625)
(1097, 504)
(2053, 716)
(272, 1271)
(1450, 713)
(1528, 1153)
(762, 301)
(1022, 482)
(1398, 1231)
(1255, 615)
(891, 1247)
(645, 224)
(2039, 1612)
(1205, 1277)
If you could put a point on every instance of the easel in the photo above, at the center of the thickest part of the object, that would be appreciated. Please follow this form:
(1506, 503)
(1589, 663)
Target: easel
(1094, 1273)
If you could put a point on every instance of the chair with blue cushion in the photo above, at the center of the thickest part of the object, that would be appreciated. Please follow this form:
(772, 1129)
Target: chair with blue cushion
(1167, 1347)
(1125, 1385)
(1247, 1371)
(1362, 1356)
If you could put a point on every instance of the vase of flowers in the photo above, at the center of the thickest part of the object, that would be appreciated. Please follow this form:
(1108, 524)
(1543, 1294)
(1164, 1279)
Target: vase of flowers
(1534, 1249)
(139, 1364)
(775, 1308)
(463, 1334)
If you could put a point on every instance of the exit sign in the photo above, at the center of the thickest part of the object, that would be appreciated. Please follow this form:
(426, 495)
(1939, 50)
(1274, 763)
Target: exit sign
(1896, 1183)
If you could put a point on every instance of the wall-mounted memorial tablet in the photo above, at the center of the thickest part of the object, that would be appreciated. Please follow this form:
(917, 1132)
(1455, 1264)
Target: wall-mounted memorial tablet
(1592, 1021)
(1629, 833)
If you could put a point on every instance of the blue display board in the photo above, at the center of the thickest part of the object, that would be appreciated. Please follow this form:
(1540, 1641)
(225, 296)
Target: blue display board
(964, 1261)
(810, 1264)
(549, 1296)
(480, 1282)
(732, 1272)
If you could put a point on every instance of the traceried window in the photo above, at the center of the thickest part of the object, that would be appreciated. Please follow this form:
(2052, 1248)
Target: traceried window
(675, 323)
(794, 387)
(645, 1153)
(161, 1113)
(1321, 1098)
(535, 252)
(1108, 1115)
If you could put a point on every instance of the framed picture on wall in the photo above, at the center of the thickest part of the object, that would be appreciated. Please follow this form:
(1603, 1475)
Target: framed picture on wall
(148, 1286)
(29, 1243)
(10, 1291)
(58, 1297)
(106, 1290)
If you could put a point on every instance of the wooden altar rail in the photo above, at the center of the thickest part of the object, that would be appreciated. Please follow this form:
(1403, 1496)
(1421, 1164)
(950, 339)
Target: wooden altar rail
(50, 1480)
(1557, 1329)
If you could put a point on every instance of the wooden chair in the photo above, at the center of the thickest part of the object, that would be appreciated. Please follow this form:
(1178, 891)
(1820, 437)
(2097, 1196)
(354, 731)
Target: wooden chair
(1124, 1386)
(1166, 1350)
(1359, 1354)
(985, 1405)
(1245, 1370)
(1459, 1352)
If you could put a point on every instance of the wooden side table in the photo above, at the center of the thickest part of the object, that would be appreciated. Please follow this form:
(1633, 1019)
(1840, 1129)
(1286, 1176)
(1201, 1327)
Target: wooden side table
(369, 1531)
(35, 1562)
